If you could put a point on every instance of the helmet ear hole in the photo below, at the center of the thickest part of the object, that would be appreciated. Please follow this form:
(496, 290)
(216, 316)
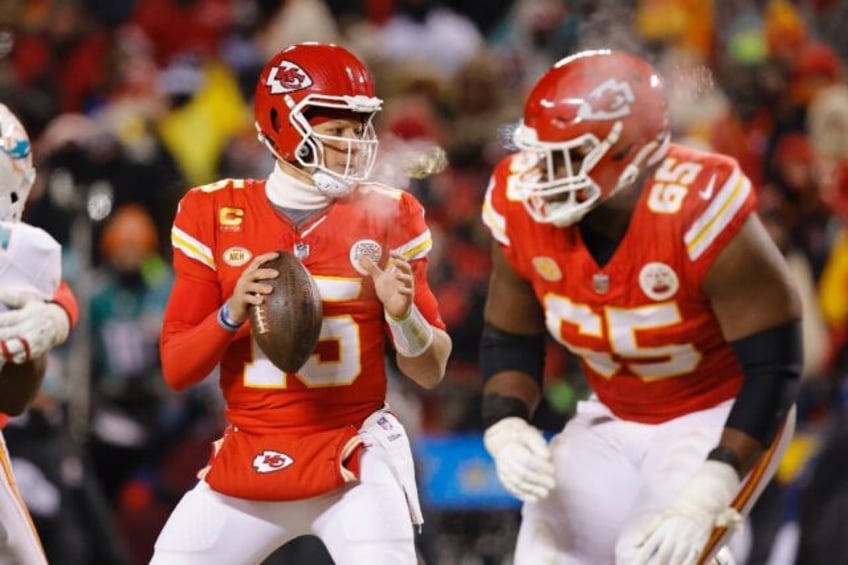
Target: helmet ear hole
(274, 115)
(304, 152)
(622, 153)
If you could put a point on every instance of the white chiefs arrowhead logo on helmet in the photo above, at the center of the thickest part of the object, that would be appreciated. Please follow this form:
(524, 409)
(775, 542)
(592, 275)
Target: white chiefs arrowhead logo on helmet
(287, 77)
(608, 101)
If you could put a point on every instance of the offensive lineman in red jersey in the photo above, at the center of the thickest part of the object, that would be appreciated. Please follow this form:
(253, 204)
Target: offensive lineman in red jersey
(647, 261)
(315, 452)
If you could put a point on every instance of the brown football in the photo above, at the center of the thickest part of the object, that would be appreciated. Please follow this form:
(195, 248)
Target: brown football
(19, 384)
(288, 322)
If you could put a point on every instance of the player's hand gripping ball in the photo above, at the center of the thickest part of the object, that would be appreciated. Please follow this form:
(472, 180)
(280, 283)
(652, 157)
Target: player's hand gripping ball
(287, 324)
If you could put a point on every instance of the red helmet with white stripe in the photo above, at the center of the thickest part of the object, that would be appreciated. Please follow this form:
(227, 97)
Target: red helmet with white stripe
(591, 125)
(314, 77)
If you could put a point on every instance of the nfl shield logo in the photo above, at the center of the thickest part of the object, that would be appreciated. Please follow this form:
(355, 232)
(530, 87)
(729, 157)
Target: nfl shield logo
(301, 250)
(601, 283)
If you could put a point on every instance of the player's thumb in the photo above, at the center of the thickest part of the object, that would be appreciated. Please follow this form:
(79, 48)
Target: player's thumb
(8, 321)
(14, 298)
(370, 266)
(536, 444)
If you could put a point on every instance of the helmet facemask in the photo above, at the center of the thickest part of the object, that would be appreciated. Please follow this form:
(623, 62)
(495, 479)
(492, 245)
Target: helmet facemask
(360, 151)
(562, 189)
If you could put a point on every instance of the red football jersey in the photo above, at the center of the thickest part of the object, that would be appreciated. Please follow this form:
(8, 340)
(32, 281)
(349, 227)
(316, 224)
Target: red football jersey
(217, 231)
(649, 343)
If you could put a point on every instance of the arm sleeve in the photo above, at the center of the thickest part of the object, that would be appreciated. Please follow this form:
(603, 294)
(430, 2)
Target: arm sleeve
(424, 297)
(192, 341)
(65, 298)
(414, 243)
(772, 361)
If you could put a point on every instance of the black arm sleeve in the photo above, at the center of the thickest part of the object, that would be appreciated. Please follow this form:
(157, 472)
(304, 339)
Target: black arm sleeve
(503, 351)
(771, 362)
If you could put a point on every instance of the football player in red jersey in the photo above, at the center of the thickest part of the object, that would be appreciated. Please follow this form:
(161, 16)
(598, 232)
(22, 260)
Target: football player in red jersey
(37, 311)
(647, 261)
(316, 451)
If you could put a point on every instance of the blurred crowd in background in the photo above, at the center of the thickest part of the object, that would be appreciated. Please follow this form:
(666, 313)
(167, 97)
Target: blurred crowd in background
(130, 103)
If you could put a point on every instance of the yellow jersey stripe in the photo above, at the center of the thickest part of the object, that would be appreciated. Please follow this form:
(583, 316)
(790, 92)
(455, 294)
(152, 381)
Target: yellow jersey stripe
(191, 247)
(417, 247)
(419, 251)
(717, 216)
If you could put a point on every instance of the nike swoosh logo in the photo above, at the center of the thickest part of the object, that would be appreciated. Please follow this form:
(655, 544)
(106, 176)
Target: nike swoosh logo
(707, 193)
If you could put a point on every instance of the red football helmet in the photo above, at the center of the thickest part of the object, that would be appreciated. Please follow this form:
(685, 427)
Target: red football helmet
(332, 79)
(591, 124)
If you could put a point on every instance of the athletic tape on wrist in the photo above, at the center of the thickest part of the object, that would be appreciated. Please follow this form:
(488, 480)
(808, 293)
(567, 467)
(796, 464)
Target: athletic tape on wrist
(412, 335)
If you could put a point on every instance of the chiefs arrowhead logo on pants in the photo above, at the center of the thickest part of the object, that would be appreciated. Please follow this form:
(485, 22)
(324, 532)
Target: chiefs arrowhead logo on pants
(269, 461)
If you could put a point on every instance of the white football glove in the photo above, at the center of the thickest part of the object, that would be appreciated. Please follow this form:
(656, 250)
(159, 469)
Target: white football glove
(31, 328)
(522, 458)
(678, 535)
(723, 557)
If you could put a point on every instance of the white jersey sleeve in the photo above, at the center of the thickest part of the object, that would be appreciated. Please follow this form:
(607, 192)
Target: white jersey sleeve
(30, 260)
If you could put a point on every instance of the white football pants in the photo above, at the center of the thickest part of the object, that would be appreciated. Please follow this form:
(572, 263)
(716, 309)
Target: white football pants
(614, 475)
(362, 524)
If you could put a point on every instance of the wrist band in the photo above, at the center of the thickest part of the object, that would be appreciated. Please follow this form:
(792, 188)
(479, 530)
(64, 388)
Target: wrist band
(412, 334)
(224, 318)
(725, 455)
(496, 407)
